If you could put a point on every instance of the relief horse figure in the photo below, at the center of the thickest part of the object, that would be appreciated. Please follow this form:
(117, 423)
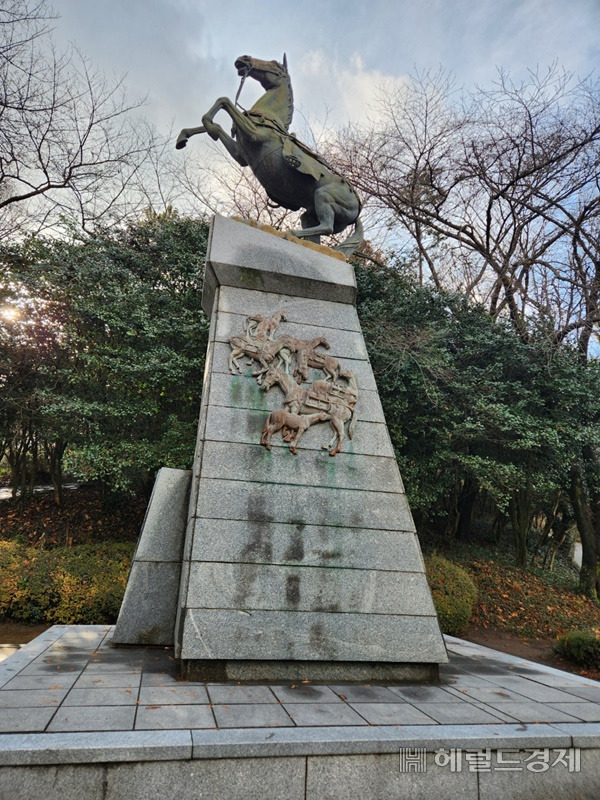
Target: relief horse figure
(292, 175)
(261, 327)
(292, 426)
(336, 401)
(265, 351)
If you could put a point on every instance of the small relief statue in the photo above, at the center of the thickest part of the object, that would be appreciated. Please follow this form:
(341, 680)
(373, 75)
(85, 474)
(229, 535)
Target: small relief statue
(323, 400)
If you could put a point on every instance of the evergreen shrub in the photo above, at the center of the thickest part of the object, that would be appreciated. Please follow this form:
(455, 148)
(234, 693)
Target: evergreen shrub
(82, 584)
(454, 593)
(582, 647)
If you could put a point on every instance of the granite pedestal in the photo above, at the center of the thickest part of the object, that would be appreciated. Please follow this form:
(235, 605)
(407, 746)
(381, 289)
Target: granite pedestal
(299, 566)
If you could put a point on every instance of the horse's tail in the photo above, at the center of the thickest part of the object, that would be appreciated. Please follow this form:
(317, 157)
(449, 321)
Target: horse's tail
(352, 423)
(353, 242)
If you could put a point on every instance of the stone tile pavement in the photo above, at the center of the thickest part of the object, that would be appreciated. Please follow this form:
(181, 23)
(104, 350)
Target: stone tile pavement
(70, 679)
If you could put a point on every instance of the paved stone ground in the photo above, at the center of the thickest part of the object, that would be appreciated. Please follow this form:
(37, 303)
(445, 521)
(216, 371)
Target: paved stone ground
(71, 680)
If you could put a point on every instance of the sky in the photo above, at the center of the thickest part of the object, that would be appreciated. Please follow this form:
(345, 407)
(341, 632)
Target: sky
(180, 53)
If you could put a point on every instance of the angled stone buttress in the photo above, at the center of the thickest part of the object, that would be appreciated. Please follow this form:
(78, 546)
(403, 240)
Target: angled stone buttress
(298, 565)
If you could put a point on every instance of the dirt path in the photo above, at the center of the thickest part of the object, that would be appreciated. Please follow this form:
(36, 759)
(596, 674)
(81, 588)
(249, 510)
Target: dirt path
(16, 633)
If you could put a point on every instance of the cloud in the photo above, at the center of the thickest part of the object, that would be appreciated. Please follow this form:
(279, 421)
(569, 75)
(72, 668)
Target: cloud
(345, 90)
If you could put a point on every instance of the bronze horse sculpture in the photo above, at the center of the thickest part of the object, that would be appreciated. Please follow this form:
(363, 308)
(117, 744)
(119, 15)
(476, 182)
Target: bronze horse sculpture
(292, 175)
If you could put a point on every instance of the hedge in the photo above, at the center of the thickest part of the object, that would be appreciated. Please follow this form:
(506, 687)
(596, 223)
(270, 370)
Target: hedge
(582, 647)
(82, 584)
(454, 593)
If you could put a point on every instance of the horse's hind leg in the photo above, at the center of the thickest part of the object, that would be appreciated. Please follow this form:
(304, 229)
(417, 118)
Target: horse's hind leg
(324, 213)
(338, 427)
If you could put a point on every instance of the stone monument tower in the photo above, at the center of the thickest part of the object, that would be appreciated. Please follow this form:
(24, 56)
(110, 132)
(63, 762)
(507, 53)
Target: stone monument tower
(289, 552)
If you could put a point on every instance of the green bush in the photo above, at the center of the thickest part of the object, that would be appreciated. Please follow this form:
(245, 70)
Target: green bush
(582, 647)
(82, 584)
(454, 593)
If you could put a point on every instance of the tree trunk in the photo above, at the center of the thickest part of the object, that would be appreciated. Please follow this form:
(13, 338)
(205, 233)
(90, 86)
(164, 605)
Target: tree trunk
(466, 504)
(520, 518)
(588, 578)
(55, 451)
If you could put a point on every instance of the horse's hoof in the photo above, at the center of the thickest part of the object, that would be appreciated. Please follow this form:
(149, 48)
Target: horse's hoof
(180, 144)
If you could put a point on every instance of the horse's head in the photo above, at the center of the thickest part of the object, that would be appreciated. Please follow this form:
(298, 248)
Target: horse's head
(270, 378)
(268, 73)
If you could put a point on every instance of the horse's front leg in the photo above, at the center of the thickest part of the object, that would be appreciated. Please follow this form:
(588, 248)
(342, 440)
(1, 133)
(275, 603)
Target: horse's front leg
(243, 124)
(185, 134)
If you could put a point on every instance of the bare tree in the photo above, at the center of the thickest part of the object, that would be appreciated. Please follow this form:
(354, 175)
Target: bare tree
(499, 193)
(69, 142)
(497, 190)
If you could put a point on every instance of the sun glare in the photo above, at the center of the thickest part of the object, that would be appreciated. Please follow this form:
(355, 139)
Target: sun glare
(10, 313)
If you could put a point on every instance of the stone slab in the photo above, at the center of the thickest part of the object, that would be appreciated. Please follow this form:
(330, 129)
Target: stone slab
(322, 313)
(65, 782)
(343, 344)
(305, 694)
(96, 747)
(179, 694)
(162, 533)
(153, 717)
(391, 714)
(459, 713)
(93, 718)
(101, 697)
(555, 781)
(147, 614)
(224, 424)
(308, 671)
(371, 739)
(248, 258)
(32, 698)
(226, 693)
(378, 777)
(243, 392)
(262, 635)
(25, 720)
(280, 543)
(316, 589)
(583, 734)
(230, 461)
(251, 715)
(247, 779)
(270, 502)
(534, 712)
(323, 714)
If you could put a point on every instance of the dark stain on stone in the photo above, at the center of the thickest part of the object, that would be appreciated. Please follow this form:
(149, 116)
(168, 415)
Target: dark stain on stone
(259, 546)
(245, 580)
(329, 607)
(328, 555)
(320, 641)
(295, 550)
(292, 591)
(256, 508)
(153, 635)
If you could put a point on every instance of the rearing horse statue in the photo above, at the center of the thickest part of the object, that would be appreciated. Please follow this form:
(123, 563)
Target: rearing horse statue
(292, 175)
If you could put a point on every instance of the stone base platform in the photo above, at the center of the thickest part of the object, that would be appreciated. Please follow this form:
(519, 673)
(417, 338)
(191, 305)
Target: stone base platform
(320, 671)
(82, 719)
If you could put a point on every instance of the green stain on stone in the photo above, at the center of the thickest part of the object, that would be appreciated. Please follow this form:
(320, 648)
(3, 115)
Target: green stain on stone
(235, 388)
(250, 278)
